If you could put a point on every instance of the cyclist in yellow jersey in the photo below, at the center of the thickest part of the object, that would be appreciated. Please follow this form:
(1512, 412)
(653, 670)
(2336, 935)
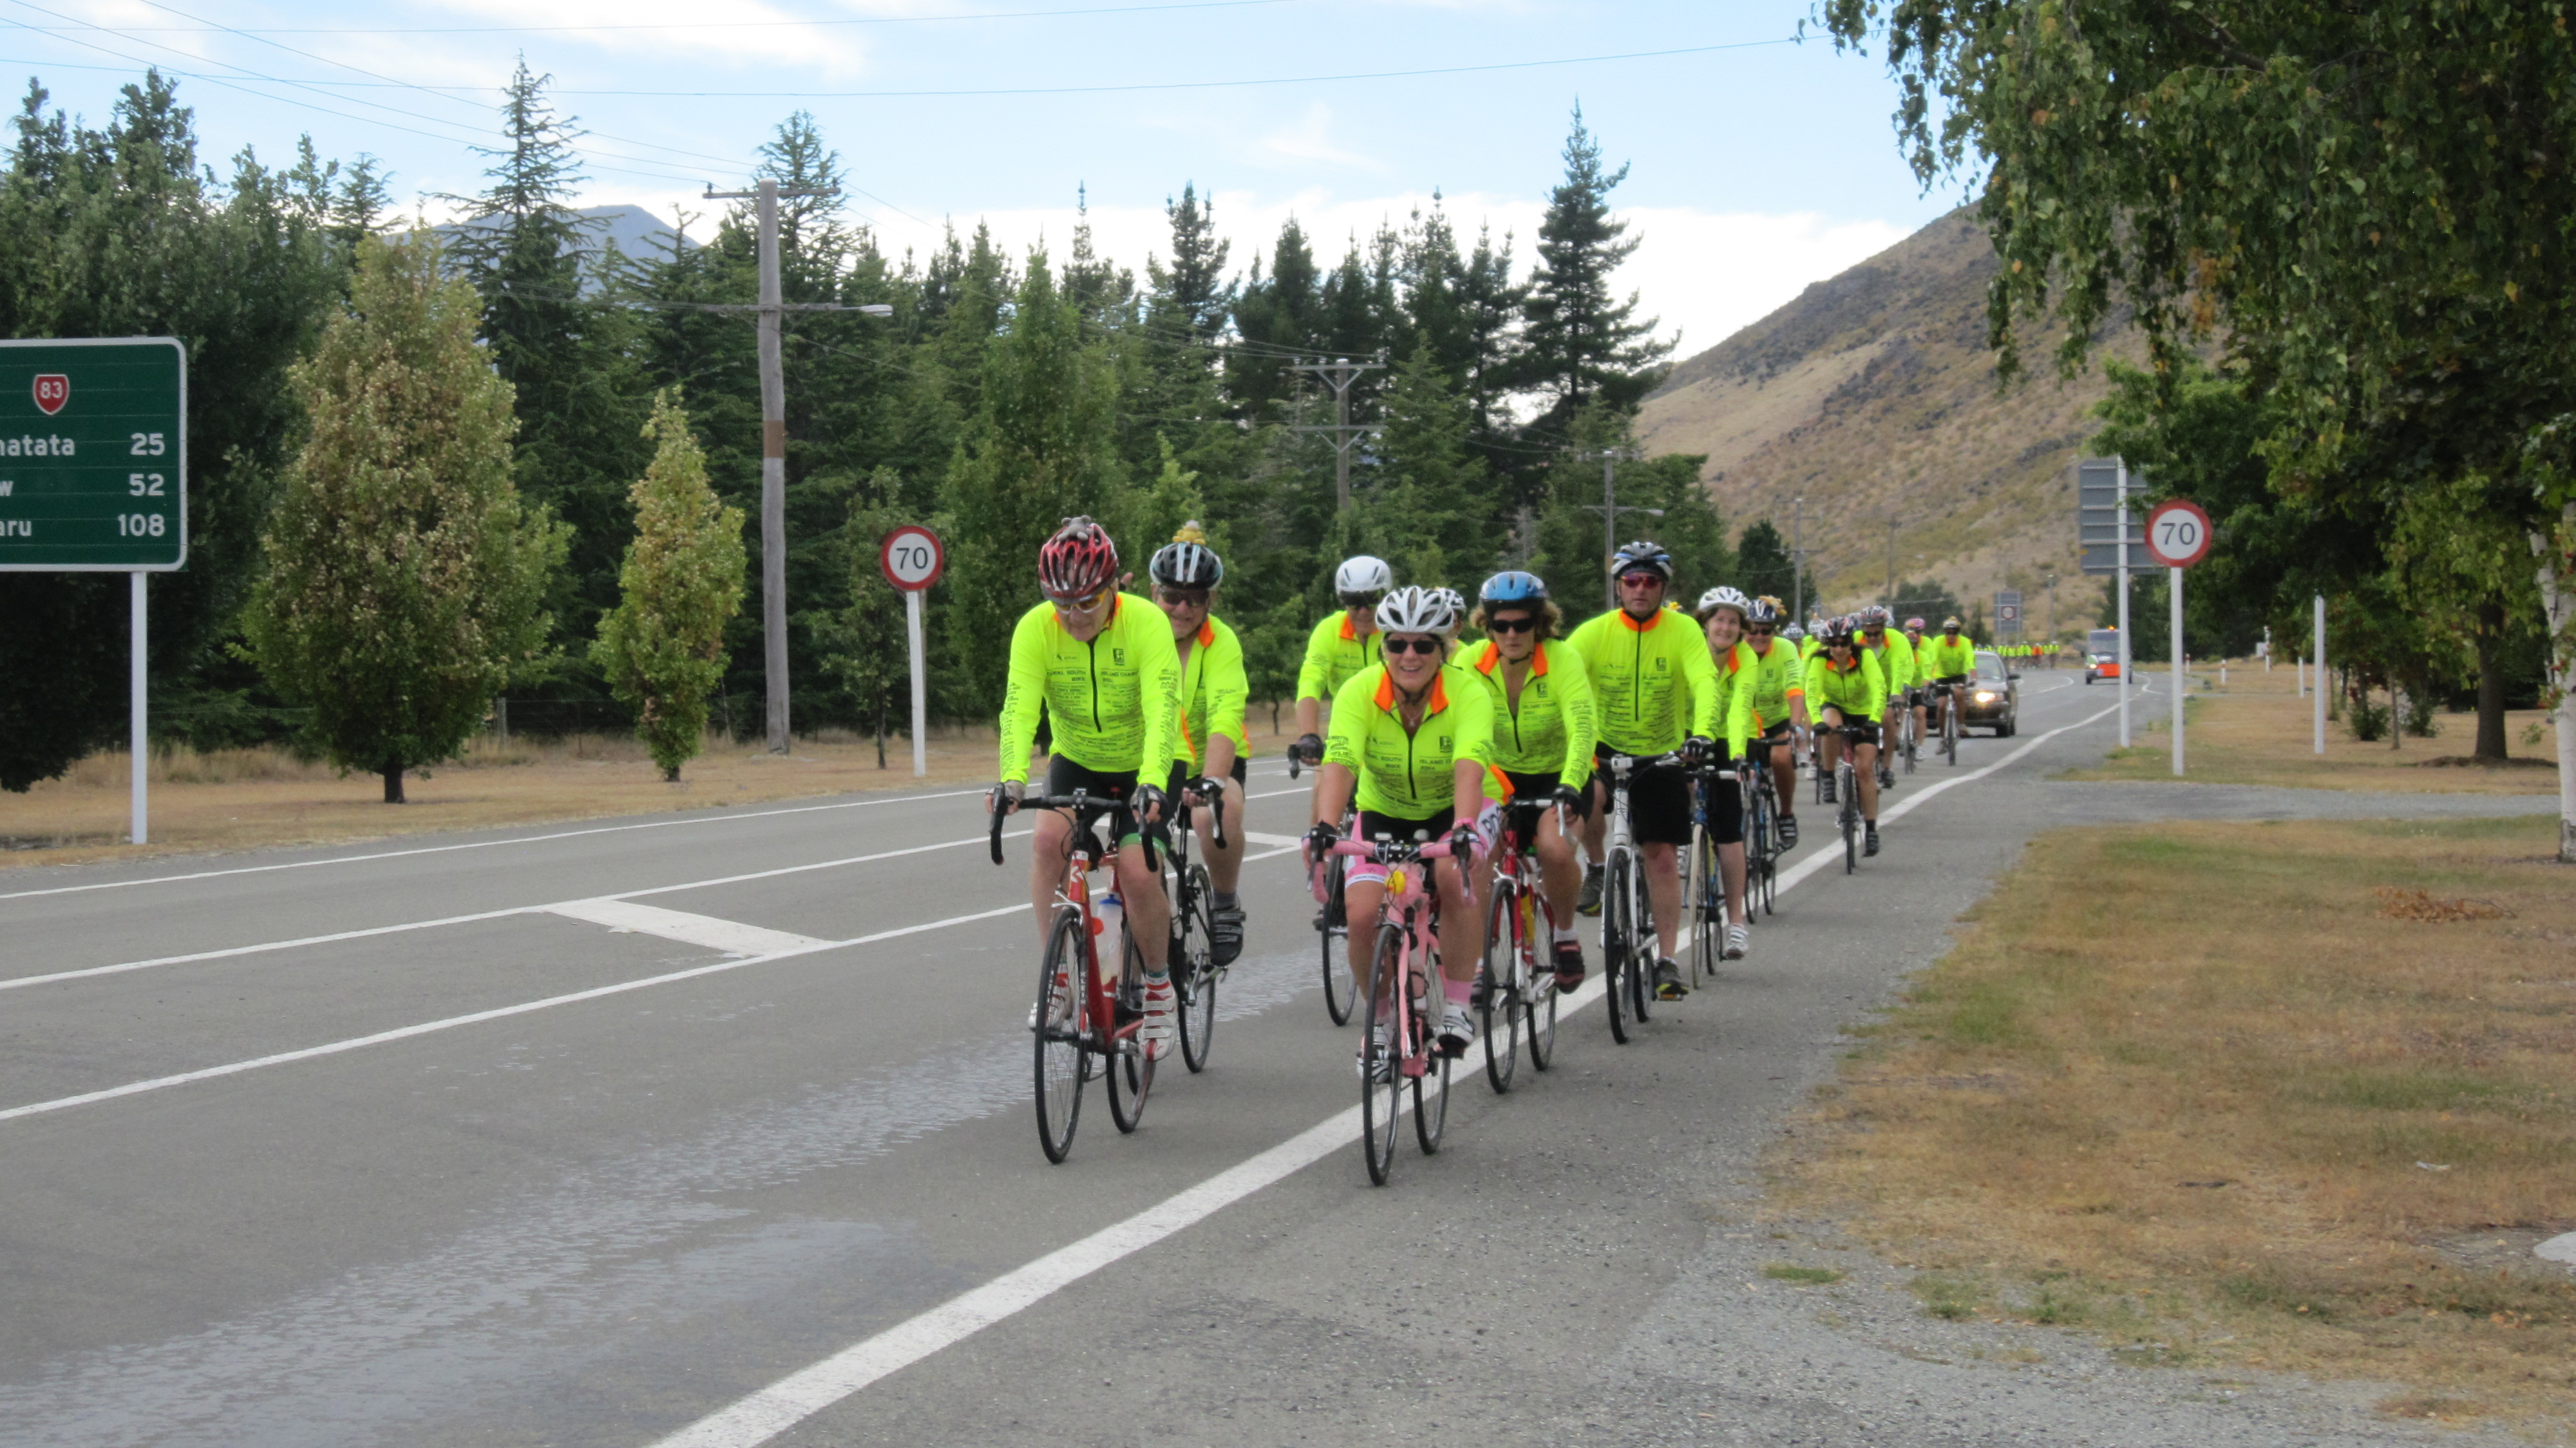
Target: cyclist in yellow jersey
(1102, 664)
(1543, 725)
(1896, 669)
(1847, 691)
(1654, 693)
(1412, 741)
(1779, 709)
(1722, 612)
(1947, 663)
(1186, 573)
(1922, 676)
(1342, 645)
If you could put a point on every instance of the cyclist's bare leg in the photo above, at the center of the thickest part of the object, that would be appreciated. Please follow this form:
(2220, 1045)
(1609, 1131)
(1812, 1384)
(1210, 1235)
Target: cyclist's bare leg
(1149, 915)
(1829, 746)
(1224, 866)
(1049, 847)
(1559, 876)
(1784, 777)
(1865, 765)
(1363, 899)
(1730, 863)
(1664, 892)
(1596, 825)
(1462, 923)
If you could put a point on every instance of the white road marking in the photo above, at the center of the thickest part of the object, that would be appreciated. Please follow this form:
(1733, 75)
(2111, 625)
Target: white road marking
(730, 936)
(1261, 839)
(773, 1410)
(484, 844)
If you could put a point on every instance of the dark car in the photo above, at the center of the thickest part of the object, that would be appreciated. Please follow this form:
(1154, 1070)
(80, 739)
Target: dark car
(1994, 696)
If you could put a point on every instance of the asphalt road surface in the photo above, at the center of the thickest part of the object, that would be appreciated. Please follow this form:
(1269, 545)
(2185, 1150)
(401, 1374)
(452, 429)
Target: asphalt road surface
(716, 1129)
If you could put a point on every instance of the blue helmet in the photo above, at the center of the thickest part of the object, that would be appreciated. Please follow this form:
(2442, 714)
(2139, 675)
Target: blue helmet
(1513, 586)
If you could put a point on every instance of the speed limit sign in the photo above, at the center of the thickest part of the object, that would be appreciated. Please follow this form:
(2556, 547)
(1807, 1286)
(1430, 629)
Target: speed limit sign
(912, 558)
(2177, 533)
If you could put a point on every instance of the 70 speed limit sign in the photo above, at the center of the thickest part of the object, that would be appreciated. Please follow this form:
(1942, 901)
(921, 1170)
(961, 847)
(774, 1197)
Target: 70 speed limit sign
(2177, 533)
(912, 558)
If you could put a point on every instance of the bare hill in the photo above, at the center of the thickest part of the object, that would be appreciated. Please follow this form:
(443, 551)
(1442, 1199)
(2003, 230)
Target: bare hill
(1873, 396)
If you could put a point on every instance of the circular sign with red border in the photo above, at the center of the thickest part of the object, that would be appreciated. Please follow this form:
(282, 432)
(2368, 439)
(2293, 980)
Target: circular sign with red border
(912, 558)
(2178, 533)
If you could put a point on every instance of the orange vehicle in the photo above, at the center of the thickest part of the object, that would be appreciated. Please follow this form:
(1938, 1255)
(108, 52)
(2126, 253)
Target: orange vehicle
(2102, 654)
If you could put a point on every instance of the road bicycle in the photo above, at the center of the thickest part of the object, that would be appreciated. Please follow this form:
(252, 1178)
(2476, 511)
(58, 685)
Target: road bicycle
(1847, 794)
(1193, 958)
(1627, 912)
(1762, 848)
(1332, 918)
(1913, 731)
(1084, 1027)
(1517, 978)
(1405, 998)
(1949, 723)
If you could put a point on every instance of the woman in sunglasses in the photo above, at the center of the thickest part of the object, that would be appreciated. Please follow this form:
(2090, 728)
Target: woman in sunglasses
(1721, 613)
(1542, 702)
(1779, 707)
(1413, 738)
(1102, 665)
(1186, 573)
(1848, 693)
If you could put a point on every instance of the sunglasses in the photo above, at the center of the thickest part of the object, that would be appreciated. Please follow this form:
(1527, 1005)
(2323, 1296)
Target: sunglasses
(1413, 646)
(1362, 600)
(1764, 629)
(1183, 597)
(1080, 605)
(1640, 580)
(1521, 624)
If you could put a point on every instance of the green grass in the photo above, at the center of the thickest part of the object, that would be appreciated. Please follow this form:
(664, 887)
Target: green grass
(1803, 1276)
(1947, 1298)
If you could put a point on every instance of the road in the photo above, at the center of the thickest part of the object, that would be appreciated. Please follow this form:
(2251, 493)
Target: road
(718, 1126)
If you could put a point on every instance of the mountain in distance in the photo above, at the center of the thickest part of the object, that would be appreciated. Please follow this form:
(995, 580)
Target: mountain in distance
(638, 233)
(1873, 397)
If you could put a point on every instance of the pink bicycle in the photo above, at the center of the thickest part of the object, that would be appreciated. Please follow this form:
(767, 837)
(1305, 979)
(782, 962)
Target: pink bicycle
(1400, 1049)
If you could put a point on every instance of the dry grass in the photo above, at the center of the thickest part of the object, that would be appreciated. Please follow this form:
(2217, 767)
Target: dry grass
(2184, 1085)
(2259, 731)
(246, 798)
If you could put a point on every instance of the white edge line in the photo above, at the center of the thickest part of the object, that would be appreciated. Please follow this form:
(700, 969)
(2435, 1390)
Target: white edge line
(763, 1415)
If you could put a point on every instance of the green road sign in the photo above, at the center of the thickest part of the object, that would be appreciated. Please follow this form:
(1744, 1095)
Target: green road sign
(93, 455)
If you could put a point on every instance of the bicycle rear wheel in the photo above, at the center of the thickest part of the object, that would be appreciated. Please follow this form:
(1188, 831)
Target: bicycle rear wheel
(1850, 816)
(1537, 950)
(1950, 733)
(1642, 958)
(1618, 943)
(1704, 907)
(1758, 846)
(1131, 1076)
(1194, 969)
(1381, 1100)
(1336, 926)
(1060, 1065)
(1431, 1101)
(1499, 974)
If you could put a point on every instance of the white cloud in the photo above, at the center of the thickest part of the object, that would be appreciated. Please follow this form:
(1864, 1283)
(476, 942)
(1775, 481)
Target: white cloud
(739, 31)
(1310, 139)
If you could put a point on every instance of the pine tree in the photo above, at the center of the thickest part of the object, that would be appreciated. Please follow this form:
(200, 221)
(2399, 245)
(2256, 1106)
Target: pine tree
(405, 578)
(1583, 342)
(662, 647)
(1762, 564)
(1426, 507)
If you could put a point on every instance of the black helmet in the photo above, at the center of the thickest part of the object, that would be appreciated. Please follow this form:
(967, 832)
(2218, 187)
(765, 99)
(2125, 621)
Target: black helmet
(1187, 561)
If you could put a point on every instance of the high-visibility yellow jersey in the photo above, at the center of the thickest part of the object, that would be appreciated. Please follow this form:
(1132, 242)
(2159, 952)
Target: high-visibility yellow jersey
(1945, 658)
(1653, 684)
(1335, 652)
(1550, 729)
(1781, 676)
(1858, 689)
(1213, 692)
(1114, 702)
(1410, 773)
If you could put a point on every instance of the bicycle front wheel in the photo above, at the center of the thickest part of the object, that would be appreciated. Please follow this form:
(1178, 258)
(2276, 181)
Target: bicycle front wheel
(1950, 735)
(1381, 1083)
(1705, 912)
(1499, 976)
(1194, 969)
(1335, 925)
(1131, 1076)
(1850, 818)
(1537, 948)
(1619, 954)
(1059, 1032)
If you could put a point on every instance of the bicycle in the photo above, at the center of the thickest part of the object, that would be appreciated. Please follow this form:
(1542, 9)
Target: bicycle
(1762, 847)
(1949, 723)
(1913, 734)
(1332, 918)
(1193, 961)
(1627, 912)
(1080, 1030)
(1404, 994)
(1847, 792)
(1516, 983)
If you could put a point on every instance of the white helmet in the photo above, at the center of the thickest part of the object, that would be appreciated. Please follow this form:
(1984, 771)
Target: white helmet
(1456, 601)
(1725, 597)
(1363, 574)
(1415, 610)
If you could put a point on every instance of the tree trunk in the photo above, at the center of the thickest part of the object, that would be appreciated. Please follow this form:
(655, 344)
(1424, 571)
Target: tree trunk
(393, 773)
(2489, 637)
(2557, 557)
(881, 728)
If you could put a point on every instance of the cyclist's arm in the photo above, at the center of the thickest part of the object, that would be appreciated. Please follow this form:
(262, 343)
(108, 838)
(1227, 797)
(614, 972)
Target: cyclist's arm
(1699, 676)
(1343, 751)
(1314, 671)
(1580, 711)
(1023, 695)
(1475, 778)
(1873, 685)
(1158, 684)
(1798, 698)
(1739, 707)
(1228, 691)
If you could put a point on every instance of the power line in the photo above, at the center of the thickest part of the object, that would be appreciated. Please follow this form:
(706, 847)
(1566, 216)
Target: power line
(728, 24)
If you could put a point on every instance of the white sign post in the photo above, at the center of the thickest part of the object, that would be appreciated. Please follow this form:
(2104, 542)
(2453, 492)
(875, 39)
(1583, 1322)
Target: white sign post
(2177, 537)
(2320, 659)
(913, 560)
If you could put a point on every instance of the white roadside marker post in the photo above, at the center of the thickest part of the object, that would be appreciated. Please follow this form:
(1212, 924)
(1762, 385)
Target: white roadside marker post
(141, 827)
(2320, 657)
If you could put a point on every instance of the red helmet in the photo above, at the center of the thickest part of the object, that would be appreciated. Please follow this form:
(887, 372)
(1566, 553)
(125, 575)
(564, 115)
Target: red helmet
(1078, 562)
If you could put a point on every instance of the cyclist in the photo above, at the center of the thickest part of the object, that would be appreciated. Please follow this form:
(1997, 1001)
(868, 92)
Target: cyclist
(1895, 668)
(1654, 692)
(1456, 603)
(1947, 663)
(1722, 612)
(1779, 707)
(1412, 736)
(1102, 665)
(1922, 677)
(1543, 729)
(1342, 645)
(1211, 740)
(1846, 690)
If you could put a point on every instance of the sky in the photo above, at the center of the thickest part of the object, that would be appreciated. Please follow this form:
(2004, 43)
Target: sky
(1756, 164)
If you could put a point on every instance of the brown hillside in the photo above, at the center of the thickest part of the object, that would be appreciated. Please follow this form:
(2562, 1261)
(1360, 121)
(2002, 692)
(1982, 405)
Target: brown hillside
(1873, 397)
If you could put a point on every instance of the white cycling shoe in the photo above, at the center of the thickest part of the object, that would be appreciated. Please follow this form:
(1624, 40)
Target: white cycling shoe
(1161, 1022)
(1738, 940)
(1457, 1028)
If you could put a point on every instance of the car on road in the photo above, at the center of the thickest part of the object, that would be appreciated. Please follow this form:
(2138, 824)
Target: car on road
(2102, 654)
(1994, 697)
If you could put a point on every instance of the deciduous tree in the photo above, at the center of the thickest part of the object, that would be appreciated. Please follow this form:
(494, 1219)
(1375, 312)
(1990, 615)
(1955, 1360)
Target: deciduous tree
(662, 647)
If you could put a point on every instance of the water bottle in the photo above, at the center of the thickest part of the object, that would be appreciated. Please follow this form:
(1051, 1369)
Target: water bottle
(1108, 915)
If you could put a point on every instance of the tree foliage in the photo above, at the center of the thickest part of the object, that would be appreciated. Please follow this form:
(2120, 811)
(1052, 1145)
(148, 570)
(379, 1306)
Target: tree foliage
(662, 647)
(405, 578)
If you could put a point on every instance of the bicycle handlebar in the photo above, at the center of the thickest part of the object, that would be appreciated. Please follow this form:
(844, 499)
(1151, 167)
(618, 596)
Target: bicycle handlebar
(1215, 791)
(1392, 852)
(1080, 802)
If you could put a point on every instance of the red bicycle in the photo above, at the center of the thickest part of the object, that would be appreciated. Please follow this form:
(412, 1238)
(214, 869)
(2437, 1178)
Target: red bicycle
(1086, 1026)
(1400, 1049)
(1516, 981)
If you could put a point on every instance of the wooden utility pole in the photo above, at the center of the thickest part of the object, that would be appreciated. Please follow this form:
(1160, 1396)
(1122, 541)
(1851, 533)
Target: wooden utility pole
(1609, 509)
(1339, 374)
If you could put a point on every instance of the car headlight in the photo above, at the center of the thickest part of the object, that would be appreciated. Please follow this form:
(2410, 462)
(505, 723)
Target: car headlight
(1986, 696)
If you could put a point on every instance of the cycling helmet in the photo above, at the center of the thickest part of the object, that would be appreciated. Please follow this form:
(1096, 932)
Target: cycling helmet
(1876, 615)
(1725, 597)
(1187, 561)
(1794, 633)
(1839, 631)
(1363, 574)
(1915, 623)
(1765, 609)
(1416, 610)
(1950, 624)
(1513, 587)
(1456, 601)
(1078, 562)
(1642, 554)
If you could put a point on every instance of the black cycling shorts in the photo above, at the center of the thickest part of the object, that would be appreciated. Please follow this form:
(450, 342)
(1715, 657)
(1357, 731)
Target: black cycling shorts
(1659, 805)
(1862, 733)
(1725, 798)
(1064, 777)
(1373, 827)
(1181, 775)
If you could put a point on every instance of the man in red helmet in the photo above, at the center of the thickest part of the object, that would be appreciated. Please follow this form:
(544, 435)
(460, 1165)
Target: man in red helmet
(1103, 665)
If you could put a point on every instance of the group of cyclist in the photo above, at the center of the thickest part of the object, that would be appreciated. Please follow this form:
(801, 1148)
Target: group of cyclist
(1431, 739)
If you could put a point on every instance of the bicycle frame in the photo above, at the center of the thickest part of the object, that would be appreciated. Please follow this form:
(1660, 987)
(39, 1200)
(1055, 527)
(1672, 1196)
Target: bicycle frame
(1618, 845)
(1415, 910)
